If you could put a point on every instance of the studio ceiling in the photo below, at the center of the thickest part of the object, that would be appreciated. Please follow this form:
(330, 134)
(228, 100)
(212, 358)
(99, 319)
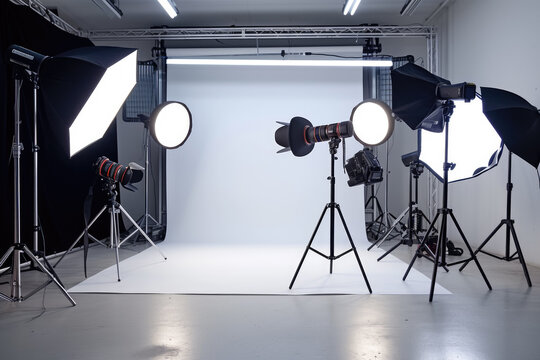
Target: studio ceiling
(143, 14)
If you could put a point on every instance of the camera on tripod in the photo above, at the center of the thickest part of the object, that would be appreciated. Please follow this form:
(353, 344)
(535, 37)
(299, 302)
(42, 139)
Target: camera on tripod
(125, 175)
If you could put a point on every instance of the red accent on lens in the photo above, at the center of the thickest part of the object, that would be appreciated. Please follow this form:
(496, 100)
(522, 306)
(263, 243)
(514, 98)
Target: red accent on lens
(305, 137)
(101, 166)
(123, 174)
(116, 172)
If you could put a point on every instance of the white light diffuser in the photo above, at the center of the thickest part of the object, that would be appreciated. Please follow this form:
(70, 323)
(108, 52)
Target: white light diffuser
(170, 124)
(279, 62)
(473, 144)
(373, 122)
(103, 104)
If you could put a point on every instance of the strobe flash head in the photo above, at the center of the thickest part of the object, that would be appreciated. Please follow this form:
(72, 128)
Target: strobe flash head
(28, 59)
(371, 123)
(462, 91)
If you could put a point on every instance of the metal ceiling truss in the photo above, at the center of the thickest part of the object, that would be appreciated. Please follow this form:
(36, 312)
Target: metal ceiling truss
(49, 16)
(280, 32)
(276, 32)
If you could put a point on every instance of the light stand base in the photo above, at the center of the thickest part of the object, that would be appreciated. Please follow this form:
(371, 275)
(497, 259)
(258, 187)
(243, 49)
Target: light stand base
(412, 233)
(510, 230)
(382, 227)
(114, 208)
(15, 250)
(440, 255)
(331, 257)
(510, 227)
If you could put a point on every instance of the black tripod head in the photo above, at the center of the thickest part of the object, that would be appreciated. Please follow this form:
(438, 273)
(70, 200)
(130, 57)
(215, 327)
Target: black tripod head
(333, 144)
(417, 168)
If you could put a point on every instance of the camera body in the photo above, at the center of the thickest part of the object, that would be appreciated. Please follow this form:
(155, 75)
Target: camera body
(364, 168)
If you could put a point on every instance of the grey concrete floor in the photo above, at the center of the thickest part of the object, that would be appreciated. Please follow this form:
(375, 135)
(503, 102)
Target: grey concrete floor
(473, 323)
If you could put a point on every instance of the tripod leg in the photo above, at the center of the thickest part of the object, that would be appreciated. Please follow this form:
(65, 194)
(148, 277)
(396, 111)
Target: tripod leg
(482, 245)
(80, 236)
(6, 255)
(374, 221)
(308, 246)
(354, 249)
(422, 244)
(114, 239)
(441, 246)
(51, 277)
(520, 254)
(394, 224)
(389, 251)
(473, 255)
(141, 231)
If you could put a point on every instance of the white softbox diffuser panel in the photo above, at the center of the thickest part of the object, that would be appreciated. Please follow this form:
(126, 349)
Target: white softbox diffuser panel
(226, 184)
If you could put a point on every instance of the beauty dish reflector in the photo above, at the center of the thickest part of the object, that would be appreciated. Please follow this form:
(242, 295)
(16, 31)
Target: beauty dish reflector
(170, 124)
(473, 144)
(373, 122)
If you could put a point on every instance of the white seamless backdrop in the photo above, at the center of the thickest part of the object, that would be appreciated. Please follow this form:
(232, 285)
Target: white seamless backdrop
(226, 184)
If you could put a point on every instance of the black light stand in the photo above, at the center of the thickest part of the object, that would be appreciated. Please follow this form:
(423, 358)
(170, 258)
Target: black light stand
(376, 211)
(332, 205)
(18, 247)
(510, 230)
(444, 212)
(143, 221)
(415, 214)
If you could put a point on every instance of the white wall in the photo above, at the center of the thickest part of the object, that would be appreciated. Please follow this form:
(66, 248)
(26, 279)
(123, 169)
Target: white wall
(495, 43)
(227, 184)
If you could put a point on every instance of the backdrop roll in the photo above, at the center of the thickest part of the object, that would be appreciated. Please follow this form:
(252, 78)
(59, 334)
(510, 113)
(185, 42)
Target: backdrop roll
(226, 184)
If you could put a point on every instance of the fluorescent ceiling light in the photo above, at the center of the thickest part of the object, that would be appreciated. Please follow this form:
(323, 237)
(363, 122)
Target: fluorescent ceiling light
(280, 62)
(351, 6)
(170, 7)
(109, 6)
(409, 7)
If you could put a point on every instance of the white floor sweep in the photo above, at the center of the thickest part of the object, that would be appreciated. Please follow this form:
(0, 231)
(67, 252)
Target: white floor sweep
(240, 215)
(264, 270)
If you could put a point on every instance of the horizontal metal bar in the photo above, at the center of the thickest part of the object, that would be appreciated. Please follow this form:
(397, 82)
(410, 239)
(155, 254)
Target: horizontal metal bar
(320, 253)
(279, 32)
(343, 253)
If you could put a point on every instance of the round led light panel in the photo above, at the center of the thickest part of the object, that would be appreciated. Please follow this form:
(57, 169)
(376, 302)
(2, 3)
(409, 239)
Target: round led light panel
(373, 122)
(170, 124)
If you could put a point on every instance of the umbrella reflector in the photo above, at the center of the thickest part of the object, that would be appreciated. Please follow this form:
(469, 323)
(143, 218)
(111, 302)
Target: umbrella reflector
(516, 121)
